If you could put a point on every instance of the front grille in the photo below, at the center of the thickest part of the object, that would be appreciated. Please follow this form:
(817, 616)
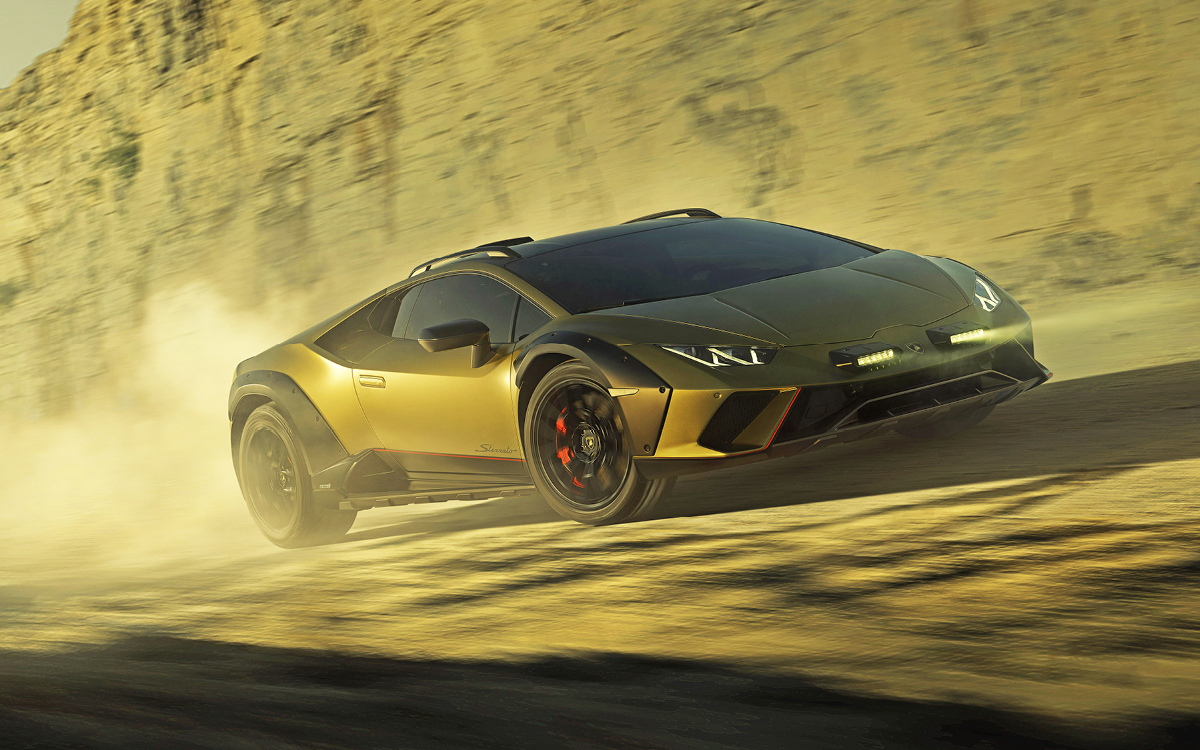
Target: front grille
(821, 409)
(734, 416)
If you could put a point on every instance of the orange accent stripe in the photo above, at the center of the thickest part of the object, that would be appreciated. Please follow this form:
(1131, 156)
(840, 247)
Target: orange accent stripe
(449, 455)
(786, 411)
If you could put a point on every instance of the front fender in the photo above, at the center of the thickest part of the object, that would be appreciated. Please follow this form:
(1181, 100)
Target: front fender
(643, 410)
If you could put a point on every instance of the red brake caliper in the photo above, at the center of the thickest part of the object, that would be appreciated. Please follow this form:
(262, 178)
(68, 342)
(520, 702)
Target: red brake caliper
(565, 454)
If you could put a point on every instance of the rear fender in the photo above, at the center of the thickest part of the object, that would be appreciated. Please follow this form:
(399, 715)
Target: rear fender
(320, 445)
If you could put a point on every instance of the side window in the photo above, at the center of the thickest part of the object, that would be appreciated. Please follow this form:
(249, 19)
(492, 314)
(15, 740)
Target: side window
(364, 331)
(404, 312)
(383, 316)
(529, 318)
(465, 295)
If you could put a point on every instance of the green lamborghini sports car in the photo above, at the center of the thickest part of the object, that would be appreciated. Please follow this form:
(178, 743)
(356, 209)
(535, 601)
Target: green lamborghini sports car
(594, 368)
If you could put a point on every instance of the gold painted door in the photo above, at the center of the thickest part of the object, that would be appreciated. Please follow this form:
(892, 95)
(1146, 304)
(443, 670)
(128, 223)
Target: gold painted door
(439, 414)
(432, 410)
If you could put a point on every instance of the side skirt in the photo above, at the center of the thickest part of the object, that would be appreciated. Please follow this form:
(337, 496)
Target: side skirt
(365, 502)
(368, 480)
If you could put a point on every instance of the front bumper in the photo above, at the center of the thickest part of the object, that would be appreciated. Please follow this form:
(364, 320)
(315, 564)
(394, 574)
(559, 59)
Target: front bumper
(797, 419)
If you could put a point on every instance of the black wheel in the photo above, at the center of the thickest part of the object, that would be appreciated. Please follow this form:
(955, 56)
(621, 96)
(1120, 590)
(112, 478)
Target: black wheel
(947, 426)
(579, 452)
(275, 483)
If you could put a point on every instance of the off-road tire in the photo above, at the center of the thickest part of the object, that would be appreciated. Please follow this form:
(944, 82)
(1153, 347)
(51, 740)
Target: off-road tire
(568, 410)
(275, 483)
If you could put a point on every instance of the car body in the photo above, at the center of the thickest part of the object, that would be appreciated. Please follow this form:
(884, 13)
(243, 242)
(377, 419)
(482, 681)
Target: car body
(684, 342)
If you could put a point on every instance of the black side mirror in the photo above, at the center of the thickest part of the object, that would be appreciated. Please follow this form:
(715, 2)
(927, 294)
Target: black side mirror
(457, 334)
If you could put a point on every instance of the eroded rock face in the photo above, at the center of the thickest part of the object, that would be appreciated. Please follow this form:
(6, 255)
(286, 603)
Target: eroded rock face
(298, 154)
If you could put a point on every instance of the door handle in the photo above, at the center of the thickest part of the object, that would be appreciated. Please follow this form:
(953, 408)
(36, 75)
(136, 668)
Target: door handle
(372, 381)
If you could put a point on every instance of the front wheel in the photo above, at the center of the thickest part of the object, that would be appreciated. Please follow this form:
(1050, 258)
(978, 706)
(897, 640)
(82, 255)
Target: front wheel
(276, 485)
(579, 452)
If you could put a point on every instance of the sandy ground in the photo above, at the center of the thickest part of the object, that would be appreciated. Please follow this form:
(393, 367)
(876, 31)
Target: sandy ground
(1032, 583)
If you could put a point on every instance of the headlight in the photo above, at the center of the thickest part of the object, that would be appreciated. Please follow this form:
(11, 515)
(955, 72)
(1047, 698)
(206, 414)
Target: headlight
(725, 356)
(985, 295)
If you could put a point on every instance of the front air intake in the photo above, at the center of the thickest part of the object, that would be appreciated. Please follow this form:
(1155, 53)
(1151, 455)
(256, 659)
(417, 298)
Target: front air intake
(732, 418)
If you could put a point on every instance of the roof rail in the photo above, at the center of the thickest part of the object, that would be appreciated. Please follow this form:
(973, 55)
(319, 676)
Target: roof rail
(498, 249)
(507, 243)
(697, 212)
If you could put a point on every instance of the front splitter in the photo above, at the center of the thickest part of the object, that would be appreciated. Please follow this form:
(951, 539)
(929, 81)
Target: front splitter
(662, 468)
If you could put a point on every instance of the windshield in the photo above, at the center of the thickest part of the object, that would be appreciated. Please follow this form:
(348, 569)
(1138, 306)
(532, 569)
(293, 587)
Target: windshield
(680, 260)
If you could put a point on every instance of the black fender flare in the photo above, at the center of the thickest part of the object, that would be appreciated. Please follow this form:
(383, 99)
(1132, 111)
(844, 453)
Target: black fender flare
(644, 411)
(321, 446)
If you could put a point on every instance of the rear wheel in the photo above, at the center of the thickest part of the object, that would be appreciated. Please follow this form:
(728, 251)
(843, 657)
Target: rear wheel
(275, 483)
(579, 451)
(947, 426)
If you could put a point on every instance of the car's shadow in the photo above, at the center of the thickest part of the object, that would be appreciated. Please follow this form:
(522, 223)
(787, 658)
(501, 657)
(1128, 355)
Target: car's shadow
(1064, 430)
(144, 691)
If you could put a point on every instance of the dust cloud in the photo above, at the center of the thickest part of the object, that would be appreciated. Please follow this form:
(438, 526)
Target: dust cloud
(139, 479)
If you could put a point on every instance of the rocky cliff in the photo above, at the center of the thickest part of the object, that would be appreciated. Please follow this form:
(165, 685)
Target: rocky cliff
(295, 155)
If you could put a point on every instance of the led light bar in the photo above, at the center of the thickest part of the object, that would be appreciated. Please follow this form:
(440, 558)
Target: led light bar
(876, 358)
(870, 356)
(968, 337)
(958, 334)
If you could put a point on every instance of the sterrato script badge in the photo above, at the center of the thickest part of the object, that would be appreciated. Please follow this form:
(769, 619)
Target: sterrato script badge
(489, 448)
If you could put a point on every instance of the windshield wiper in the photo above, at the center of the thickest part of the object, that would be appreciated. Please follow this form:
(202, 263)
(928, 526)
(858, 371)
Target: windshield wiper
(639, 301)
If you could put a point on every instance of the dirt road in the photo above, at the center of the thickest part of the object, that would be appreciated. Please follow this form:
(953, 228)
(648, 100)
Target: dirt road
(1033, 583)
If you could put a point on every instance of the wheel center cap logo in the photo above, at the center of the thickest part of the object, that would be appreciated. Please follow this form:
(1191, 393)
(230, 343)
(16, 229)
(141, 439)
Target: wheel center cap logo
(589, 442)
(915, 347)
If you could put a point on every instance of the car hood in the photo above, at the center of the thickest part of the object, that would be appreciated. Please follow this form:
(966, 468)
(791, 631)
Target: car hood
(845, 303)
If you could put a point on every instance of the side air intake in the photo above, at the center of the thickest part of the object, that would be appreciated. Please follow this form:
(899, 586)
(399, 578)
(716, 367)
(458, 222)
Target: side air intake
(733, 417)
